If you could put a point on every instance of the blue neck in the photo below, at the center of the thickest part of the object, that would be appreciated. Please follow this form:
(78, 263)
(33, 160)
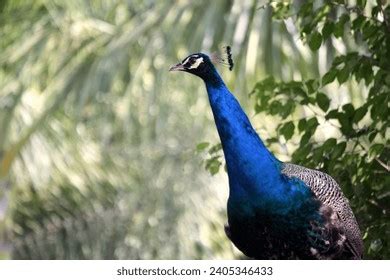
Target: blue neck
(253, 171)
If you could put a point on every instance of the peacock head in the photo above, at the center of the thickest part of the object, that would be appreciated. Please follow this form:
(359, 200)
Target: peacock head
(202, 65)
(198, 64)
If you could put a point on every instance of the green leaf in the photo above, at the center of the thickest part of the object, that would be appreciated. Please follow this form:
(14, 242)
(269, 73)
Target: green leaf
(339, 150)
(323, 101)
(359, 114)
(215, 149)
(312, 85)
(302, 125)
(376, 10)
(318, 154)
(343, 74)
(361, 3)
(372, 136)
(287, 130)
(332, 114)
(305, 138)
(339, 26)
(312, 123)
(329, 76)
(213, 164)
(338, 60)
(281, 10)
(302, 152)
(376, 150)
(369, 30)
(346, 125)
(365, 71)
(310, 128)
(349, 110)
(287, 109)
(202, 146)
(358, 22)
(327, 30)
(272, 140)
(315, 41)
(258, 108)
(275, 107)
(306, 8)
(329, 144)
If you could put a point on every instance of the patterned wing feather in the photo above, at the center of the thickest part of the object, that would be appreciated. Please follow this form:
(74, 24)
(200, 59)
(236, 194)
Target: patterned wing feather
(326, 189)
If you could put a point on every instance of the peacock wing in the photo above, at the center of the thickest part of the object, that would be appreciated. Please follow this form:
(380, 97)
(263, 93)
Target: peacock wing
(328, 192)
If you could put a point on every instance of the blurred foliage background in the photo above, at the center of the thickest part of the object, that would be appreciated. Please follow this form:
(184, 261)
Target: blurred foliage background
(99, 144)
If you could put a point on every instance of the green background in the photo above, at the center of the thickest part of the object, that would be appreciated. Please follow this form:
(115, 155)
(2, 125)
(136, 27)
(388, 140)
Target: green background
(104, 154)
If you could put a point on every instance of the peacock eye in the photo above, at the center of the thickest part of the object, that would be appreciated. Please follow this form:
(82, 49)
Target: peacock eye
(192, 60)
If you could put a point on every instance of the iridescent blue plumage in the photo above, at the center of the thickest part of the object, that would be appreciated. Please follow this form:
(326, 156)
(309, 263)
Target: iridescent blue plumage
(270, 213)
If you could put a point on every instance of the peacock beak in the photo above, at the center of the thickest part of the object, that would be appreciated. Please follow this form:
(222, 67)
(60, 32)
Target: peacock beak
(177, 67)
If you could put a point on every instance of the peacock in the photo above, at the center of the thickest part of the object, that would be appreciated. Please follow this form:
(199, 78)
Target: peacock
(275, 210)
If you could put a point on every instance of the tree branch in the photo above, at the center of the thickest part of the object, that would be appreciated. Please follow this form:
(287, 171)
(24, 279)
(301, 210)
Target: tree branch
(381, 163)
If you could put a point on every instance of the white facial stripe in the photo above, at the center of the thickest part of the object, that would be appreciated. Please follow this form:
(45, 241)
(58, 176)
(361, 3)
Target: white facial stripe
(197, 63)
(185, 61)
(188, 58)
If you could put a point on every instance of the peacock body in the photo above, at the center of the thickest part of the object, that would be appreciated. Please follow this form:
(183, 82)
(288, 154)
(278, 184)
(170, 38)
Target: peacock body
(275, 210)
